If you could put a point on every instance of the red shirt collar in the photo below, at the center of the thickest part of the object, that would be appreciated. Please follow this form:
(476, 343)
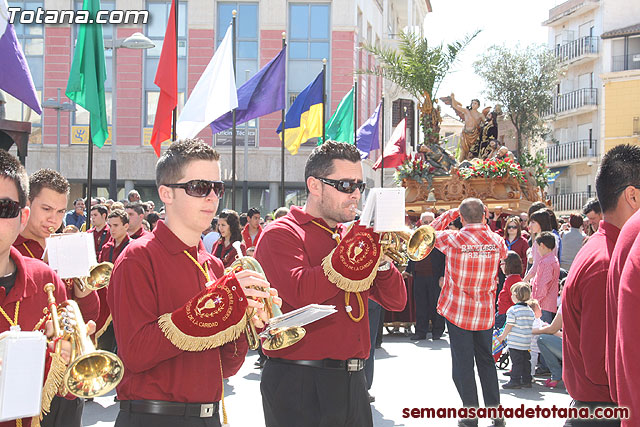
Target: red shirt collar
(302, 217)
(610, 231)
(171, 242)
(33, 246)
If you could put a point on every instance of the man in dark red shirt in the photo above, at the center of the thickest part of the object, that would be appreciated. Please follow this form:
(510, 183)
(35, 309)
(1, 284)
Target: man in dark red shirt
(251, 231)
(22, 280)
(100, 229)
(136, 214)
(583, 309)
(172, 378)
(323, 373)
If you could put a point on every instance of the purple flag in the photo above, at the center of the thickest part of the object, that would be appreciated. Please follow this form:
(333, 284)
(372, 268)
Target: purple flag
(368, 135)
(15, 77)
(262, 94)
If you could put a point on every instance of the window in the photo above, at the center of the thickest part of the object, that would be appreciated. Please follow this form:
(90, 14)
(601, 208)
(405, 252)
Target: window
(31, 38)
(626, 53)
(308, 44)
(159, 15)
(246, 59)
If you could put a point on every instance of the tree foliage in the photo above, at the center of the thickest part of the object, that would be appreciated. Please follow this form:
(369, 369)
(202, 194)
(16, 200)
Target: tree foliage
(522, 81)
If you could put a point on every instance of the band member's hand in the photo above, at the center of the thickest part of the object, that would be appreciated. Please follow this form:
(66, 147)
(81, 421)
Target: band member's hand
(254, 286)
(406, 275)
(275, 299)
(65, 345)
(77, 292)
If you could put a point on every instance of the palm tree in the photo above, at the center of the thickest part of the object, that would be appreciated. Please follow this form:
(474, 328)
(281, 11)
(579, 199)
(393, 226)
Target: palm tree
(419, 69)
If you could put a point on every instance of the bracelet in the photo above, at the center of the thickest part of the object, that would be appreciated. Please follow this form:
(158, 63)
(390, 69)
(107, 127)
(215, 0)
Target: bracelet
(384, 266)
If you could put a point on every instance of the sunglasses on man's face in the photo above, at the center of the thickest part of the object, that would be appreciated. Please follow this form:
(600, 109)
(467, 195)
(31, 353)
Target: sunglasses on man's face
(200, 187)
(344, 185)
(9, 208)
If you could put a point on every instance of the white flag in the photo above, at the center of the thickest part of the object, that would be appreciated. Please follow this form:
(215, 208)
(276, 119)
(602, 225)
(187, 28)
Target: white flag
(214, 95)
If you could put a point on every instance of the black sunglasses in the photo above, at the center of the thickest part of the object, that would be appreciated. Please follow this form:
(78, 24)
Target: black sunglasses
(200, 187)
(9, 208)
(513, 227)
(344, 185)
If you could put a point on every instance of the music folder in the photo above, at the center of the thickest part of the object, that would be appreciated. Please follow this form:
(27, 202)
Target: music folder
(21, 374)
(300, 317)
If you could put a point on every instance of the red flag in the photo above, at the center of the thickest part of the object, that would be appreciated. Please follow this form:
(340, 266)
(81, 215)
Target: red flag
(167, 80)
(396, 149)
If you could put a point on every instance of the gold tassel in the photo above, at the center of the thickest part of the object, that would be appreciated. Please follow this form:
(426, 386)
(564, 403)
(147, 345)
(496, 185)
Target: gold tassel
(190, 343)
(52, 384)
(342, 282)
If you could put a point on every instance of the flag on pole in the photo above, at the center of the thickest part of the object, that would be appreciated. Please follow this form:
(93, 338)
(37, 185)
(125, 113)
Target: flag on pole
(88, 74)
(167, 80)
(304, 119)
(214, 94)
(395, 152)
(15, 78)
(262, 94)
(340, 125)
(368, 135)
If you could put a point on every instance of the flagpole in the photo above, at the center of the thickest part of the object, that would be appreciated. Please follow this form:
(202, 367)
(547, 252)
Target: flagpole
(89, 177)
(382, 142)
(175, 109)
(282, 191)
(233, 115)
(355, 110)
(324, 97)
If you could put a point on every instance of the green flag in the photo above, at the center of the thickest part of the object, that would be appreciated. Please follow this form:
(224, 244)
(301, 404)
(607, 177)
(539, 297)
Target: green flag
(340, 125)
(88, 74)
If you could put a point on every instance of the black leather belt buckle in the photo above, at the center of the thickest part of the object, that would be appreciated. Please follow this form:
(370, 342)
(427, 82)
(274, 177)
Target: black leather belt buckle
(354, 365)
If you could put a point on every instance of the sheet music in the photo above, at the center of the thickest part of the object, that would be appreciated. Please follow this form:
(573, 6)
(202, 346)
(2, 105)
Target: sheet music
(302, 316)
(389, 209)
(71, 255)
(366, 216)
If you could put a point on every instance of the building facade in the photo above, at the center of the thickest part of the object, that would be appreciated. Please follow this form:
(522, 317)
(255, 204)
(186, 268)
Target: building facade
(335, 30)
(581, 115)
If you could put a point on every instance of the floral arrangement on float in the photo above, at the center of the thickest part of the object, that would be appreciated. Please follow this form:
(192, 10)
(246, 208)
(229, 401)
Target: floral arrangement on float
(415, 168)
(491, 168)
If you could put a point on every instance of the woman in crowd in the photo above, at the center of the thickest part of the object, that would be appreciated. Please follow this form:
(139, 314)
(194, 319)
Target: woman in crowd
(539, 221)
(513, 238)
(229, 229)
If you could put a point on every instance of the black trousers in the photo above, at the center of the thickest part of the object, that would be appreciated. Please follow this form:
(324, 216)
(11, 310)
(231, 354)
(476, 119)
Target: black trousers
(294, 396)
(64, 413)
(467, 347)
(375, 311)
(426, 292)
(107, 340)
(521, 369)
(571, 422)
(136, 419)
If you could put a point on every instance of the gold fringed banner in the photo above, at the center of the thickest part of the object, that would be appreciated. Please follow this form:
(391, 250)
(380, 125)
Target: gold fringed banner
(104, 328)
(190, 343)
(345, 283)
(51, 386)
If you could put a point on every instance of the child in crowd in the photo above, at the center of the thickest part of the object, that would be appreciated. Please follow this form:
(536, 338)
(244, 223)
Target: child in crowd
(544, 283)
(512, 268)
(534, 305)
(518, 330)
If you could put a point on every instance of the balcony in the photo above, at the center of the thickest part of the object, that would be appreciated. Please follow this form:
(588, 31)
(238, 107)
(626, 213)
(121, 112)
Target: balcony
(569, 202)
(578, 51)
(571, 152)
(568, 10)
(625, 62)
(576, 102)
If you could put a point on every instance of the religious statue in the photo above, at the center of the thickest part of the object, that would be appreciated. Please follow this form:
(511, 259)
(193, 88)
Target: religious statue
(438, 157)
(473, 121)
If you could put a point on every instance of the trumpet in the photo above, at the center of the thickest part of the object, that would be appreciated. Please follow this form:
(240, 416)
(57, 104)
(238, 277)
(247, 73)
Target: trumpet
(91, 372)
(277, 338)
(99, 276)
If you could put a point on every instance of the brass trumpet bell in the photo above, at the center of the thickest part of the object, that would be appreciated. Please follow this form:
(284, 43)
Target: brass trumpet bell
(402, 246)
(99, 276)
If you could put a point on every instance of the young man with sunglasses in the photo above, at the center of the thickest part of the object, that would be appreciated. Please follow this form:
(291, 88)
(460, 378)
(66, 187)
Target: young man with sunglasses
(22, 280)
(323, 374)
(178, 334)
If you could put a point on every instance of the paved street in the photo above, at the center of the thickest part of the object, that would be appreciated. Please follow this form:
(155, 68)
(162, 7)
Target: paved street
(407, 375)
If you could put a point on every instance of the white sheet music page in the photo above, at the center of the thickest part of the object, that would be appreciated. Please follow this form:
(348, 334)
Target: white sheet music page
(389, 209)
(366, 216)
(71, 255)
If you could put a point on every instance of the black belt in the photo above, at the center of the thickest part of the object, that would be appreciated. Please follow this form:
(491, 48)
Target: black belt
(349, 365)
(159, 407)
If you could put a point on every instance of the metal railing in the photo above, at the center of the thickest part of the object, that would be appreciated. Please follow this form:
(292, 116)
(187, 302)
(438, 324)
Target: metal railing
(577, 48)
(625, 62)
(569, 201)
(575, 150)
(573, 100)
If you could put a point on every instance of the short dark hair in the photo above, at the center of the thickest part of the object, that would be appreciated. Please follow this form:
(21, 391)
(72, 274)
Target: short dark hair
(512, 263)
(472, 210)
(543, 218)
(119, 213)
(47, 178)
(457, 223)
(320, 162)
(252, 212)
(79, 199)
(536, 206)
(546, 238)
(137, 207)
(592, 205)
(618, 170)
(233, 220)
(170, 166)
(575, 221)
(102, 210)
(153, 218)
(12, 169)
(131, 193)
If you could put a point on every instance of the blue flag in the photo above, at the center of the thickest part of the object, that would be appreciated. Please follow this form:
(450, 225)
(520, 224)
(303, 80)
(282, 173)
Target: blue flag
(368, 135)
(262, 94)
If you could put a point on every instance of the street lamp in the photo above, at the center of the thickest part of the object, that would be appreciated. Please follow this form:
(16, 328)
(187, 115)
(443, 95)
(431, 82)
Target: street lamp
(58, 106)
(134, 41)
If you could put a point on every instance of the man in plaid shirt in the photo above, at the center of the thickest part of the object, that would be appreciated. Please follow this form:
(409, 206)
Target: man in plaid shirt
(467, 300)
